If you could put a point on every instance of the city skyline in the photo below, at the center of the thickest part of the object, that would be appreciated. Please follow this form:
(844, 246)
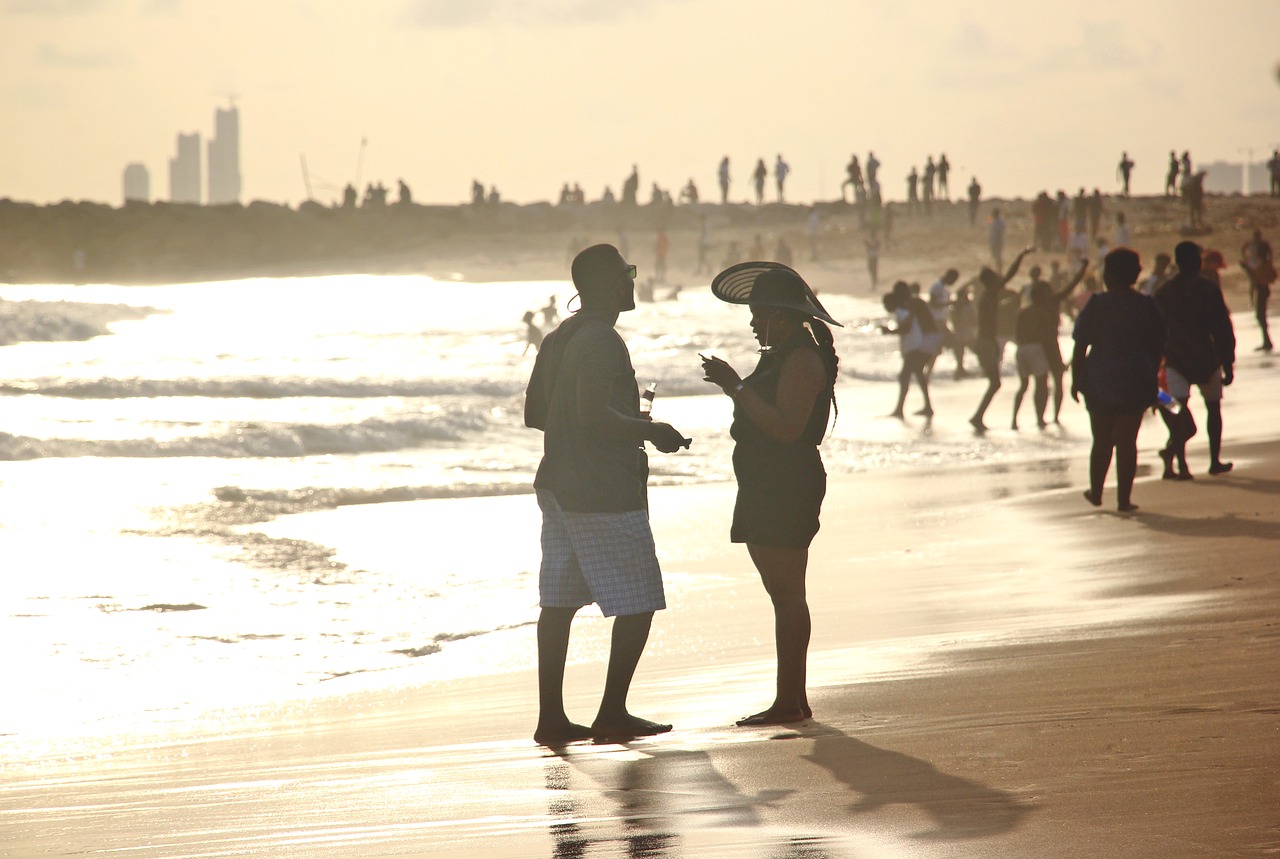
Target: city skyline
(529, 95)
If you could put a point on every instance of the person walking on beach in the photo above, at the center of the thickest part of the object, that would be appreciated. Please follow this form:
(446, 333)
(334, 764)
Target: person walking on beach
(781, 170)
(550, 313)
(986, 344)
(944, 168)
(1200, 351)
(757, 177)
(1171, 177)
(596, 542)
(918, 339)
(1257, 262)
(940, 306)
(853, 178)
(995, 239)
(722, 173)
(1273, 167)
(780, 414)
(1123, 170)
(532, 334)
(1119, 336)
(975, 199)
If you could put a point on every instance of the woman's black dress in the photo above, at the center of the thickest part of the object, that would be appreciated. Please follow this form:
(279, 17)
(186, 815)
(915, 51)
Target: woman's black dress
(780, 485)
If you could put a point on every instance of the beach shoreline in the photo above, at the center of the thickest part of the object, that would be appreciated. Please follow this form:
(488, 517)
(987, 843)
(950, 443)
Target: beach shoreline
(1148, 728)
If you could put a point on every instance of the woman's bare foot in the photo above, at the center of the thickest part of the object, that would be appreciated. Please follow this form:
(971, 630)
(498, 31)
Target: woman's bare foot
(772, 717)
(1127, 507)
(627, 727)
(561, 733)
(1092, 499)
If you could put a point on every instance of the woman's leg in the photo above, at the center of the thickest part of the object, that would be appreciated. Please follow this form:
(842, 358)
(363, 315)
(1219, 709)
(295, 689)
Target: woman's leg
(904, 383)
(1057, 394)
(783, 574)
(1102, 427)
(920, 362)
(1023, 381)
(1125, 437)
(1041, 398)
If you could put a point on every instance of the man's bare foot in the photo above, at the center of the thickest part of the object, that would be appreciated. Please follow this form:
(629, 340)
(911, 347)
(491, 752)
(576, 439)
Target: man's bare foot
(897, 413)
(627, 727)
(561, 733)
(1095, 500)
(1127, 507)
(1221, 467)
(772, 717)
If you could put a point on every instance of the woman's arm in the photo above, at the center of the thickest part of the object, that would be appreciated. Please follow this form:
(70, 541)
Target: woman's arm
(802, 381)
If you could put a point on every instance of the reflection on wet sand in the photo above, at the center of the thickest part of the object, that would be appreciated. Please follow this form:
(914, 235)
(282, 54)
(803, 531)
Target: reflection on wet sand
(653, 802)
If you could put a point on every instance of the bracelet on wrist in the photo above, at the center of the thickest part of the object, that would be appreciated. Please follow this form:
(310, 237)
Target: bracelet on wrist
(735, 390)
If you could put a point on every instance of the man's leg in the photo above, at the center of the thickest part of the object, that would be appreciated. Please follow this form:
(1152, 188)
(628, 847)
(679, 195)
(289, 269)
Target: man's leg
(630, 634)
(554, 726)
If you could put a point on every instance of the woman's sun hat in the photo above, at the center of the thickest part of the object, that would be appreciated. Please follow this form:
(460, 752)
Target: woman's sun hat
(769, 284)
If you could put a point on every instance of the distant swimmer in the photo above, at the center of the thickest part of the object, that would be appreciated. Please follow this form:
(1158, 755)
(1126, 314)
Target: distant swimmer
(532, 334)
(551, 313)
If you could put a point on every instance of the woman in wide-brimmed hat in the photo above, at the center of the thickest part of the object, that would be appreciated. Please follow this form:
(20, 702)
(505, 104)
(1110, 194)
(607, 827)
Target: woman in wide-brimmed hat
(780, 414)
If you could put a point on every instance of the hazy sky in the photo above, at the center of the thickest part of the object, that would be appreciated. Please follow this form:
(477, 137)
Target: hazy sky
(528, 94)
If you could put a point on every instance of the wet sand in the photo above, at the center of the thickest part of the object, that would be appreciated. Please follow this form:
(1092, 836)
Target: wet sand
(998, 669)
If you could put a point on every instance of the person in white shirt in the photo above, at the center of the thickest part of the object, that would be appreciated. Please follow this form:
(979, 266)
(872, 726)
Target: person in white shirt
(1123, 236)
(940, 307)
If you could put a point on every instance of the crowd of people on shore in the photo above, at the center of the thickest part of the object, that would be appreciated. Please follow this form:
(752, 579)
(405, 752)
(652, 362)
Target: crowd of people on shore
(1139, 344)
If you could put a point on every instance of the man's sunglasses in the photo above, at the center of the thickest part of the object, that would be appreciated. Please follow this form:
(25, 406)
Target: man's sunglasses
(630, 271)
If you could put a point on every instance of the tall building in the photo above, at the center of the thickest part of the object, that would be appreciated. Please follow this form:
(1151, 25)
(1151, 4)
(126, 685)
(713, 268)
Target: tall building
(224, 157)
(137, 183)
(184, 170)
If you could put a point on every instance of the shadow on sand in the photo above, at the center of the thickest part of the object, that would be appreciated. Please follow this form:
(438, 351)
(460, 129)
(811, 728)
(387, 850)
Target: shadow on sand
(642, 803)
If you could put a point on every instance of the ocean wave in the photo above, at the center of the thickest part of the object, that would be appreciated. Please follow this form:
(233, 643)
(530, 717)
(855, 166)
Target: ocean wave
(263, 440)
(260, 388)
(258, 505)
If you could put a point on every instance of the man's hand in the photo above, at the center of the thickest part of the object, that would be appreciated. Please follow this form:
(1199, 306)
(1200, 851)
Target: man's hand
(1228, 375)
(666, 438)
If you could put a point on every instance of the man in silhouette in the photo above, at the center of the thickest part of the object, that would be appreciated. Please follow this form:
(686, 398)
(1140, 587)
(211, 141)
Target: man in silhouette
(591, 486)
(1200, 351)
(1123, 169)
